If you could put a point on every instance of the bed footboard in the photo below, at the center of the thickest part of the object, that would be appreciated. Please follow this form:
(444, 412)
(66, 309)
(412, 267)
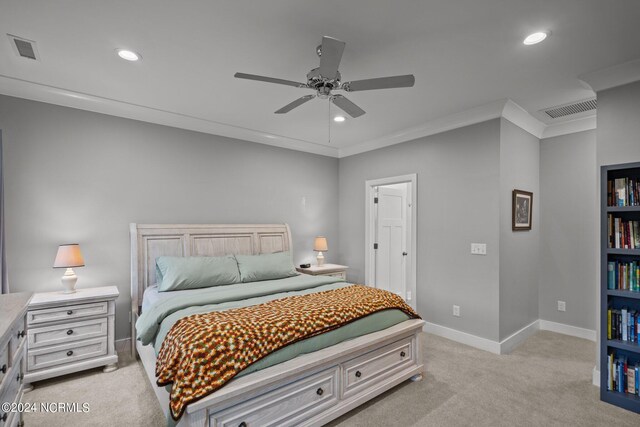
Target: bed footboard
(312, 389)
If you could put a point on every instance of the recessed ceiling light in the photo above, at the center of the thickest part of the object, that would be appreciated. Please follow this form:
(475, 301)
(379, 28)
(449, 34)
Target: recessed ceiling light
(338, 119)
(128, 55)
(535, 38)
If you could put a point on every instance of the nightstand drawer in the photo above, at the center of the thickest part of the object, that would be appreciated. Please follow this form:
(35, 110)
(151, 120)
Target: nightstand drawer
(67, 332)
(340, 274)
(46, 357)
(71, 312)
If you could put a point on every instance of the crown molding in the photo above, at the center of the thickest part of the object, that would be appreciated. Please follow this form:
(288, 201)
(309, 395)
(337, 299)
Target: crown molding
(617, 75)
(482, 113)
(501, 108)
(571, 126)
(522, 118)
(53, 95)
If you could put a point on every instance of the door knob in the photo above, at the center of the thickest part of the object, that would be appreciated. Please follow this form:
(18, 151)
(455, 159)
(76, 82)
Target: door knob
(404, 254)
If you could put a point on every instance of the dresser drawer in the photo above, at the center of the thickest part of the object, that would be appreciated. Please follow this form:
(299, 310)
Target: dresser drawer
(45, 357)
(4, 362)
(67, 332)
(286, 406)
(10, 389)
(18, 336)
(70, 312)
(365, 370)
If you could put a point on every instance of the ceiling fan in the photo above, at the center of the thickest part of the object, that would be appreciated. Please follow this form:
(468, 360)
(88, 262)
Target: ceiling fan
(326, 78)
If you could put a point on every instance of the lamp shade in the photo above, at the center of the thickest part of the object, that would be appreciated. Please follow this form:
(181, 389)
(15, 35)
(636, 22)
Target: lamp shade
(69, 256)
(320, 244)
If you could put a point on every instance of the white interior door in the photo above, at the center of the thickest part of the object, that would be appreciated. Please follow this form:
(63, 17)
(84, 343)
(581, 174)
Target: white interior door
(391, 233)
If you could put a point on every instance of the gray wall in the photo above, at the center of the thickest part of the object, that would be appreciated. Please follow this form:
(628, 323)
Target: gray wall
(569, 229)
(458, 203)
(619, 125)
(77, 176)
(519, 169)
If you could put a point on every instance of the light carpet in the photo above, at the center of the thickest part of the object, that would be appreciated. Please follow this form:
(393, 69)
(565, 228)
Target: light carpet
(544, 382)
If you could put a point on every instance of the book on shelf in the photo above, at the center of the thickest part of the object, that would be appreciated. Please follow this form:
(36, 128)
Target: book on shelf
(623, 192)
(623, 325)
(622, 376)
(623, 275)
(623, 234)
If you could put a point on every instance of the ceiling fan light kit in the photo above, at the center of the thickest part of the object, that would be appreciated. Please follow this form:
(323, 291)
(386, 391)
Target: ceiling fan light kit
(326, 78)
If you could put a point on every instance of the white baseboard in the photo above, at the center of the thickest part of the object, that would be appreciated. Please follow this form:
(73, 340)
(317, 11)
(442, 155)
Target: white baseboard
(574, 331)
(463, 337)
(595, 377)
(508, 344)
(514, 340)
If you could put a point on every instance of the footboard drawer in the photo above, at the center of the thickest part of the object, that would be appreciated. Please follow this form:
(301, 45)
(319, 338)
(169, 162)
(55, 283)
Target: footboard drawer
(286, 406)
(364, 371)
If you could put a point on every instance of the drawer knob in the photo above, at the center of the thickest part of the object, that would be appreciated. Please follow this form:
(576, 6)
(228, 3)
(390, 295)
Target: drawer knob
(20, 334)
(70, 353)
(402, 354)
(4, 369)
(4, 417)
(358, 374)
(242, 424)
(70, 331)
(19, 377)
(69, 312)
(320, 392)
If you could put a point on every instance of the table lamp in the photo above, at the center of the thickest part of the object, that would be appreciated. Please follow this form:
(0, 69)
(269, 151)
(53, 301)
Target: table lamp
(69, 256)
(320, 245)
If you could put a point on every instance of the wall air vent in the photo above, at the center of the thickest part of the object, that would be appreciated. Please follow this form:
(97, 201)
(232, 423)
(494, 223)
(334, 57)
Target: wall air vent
(571, 109)
(24, 48)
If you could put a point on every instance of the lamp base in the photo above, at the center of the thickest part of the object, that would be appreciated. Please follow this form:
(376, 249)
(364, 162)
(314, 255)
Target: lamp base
(320, 259)
(69, 281)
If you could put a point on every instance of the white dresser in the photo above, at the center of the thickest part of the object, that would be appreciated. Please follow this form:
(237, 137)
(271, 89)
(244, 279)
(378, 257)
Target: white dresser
(71, 332)
(13, 309)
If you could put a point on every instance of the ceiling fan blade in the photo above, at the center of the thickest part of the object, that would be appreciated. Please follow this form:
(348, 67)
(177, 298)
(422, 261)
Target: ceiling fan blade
(330, 58)
(298, 102)
(349, 107)
(380, 83)
(268, 79)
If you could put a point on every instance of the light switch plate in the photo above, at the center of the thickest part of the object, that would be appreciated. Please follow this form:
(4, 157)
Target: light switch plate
(478, 248)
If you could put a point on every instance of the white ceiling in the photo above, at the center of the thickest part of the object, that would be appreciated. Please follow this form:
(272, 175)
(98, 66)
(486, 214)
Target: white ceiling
(463, 53)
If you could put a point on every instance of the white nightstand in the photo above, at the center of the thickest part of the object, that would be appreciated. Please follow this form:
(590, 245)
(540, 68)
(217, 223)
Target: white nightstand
(334, 270)
(71, 332)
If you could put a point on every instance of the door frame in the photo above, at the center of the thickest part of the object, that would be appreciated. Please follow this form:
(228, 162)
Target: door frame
(369, 253)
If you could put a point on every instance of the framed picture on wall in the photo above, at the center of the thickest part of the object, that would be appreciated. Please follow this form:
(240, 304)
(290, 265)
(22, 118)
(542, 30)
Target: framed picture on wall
(521, 210)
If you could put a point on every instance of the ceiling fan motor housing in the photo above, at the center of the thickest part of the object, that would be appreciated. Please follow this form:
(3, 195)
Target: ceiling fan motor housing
(322, 84)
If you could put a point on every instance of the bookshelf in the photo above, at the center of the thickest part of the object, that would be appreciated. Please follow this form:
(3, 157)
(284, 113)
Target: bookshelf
(620, 285)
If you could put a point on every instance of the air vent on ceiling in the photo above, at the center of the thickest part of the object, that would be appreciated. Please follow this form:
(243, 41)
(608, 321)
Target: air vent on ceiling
(570, 109)
(23, 47)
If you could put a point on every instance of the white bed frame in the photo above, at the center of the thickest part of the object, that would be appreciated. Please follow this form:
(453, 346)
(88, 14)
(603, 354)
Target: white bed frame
(309, 390)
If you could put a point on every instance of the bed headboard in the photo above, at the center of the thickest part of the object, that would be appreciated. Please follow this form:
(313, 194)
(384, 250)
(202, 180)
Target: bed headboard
(149, 241)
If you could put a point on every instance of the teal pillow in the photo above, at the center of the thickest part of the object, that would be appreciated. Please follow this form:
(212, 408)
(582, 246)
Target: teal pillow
(254, 268)
(180, 273)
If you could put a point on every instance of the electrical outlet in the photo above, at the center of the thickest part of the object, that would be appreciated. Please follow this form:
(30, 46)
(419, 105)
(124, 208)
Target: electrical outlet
(562, 306)
(478, 248)
(456, 310)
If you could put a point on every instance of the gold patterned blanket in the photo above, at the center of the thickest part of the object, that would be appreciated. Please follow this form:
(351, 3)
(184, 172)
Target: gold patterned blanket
(202, 352)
